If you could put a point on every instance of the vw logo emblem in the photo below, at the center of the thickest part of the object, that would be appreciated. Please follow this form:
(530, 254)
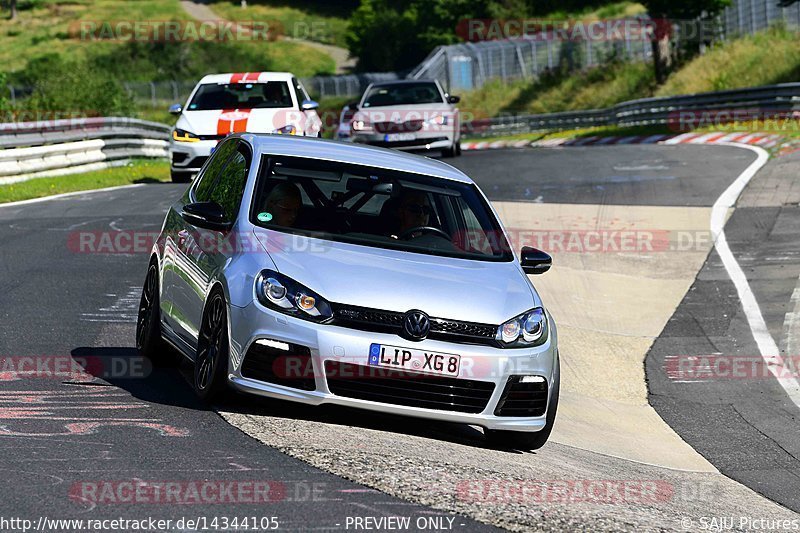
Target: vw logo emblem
(416, 325)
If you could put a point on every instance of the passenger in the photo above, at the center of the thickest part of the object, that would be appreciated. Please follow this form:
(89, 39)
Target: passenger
(283, 203)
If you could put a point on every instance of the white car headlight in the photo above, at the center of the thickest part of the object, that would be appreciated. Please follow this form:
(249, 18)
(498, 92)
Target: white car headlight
(284, 294)
(359, 125)
(438, 120)
(289, 129)
(527, 329)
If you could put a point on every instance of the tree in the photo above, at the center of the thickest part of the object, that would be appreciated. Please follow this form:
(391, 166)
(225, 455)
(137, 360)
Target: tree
(398, 34)
(665, 13)
(12, 4)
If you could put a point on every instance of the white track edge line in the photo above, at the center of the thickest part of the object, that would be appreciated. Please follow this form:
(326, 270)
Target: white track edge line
(68, 194)
(767, 347)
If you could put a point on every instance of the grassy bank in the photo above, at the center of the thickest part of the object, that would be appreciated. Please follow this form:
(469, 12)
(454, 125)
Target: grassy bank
(53, 27)
(324, 22)
(770, 57)
(138, 171)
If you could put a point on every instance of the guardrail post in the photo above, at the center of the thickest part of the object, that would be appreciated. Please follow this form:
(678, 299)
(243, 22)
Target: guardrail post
(175, 95)
(153, 93)
(13, 94)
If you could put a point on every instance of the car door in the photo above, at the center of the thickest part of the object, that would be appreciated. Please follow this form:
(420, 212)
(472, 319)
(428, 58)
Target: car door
(196, 248)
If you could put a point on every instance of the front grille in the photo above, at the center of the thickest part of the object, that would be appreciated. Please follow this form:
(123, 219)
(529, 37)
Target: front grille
(367, 319)
(522, 399)
(394, 127)
(212, 137)
(179, 157)
(292, 367)
(410, 389)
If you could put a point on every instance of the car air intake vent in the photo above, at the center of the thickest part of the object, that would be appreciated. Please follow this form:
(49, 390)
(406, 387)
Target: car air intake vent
(280, 363)
(398, 127)
(522, 399)
(411, 389)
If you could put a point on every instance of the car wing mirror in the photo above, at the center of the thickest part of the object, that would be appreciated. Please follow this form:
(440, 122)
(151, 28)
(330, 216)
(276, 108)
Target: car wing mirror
(209, 215)
(308, 105)
(535, 261)
(453, 99)
(175, 109)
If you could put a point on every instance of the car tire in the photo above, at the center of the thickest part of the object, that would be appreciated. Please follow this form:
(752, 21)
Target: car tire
(526, 440)
(211, 359)
(180, 176)
(149, 343)
(453, 151)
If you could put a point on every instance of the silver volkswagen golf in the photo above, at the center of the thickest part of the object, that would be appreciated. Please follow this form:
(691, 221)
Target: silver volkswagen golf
(325, 272)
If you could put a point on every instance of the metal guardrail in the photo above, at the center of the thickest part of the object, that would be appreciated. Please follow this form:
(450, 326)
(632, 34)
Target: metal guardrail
(39, 149)
(756, 102)
(34, 149)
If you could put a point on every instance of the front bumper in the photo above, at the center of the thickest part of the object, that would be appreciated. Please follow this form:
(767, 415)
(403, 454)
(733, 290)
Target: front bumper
(419, 140)
(189, 156)
(328, 343)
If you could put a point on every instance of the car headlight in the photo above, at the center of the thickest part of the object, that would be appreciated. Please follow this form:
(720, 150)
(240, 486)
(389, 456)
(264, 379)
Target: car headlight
(184, 136)
(279, 292)
(289, 129)
(438, 120)
(360, 125)
(527, 329)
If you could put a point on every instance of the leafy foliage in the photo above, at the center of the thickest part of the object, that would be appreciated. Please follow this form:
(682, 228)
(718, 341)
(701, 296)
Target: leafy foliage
(61, 84)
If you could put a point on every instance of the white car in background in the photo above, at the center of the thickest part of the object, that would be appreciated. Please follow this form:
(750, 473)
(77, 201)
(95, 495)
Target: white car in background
(414, 115)
(221, 104)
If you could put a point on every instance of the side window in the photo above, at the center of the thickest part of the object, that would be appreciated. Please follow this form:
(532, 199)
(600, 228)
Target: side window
(229, 189)
(475, 238)
(202, 191)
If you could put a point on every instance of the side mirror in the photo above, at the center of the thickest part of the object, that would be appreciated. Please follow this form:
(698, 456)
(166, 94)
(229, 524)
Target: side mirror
(208, 215)
(175, 109)
(308, 105)
(535, 261)
(453, 99)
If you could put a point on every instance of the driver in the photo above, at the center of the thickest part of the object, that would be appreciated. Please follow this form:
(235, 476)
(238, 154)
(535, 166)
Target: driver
(413, 211)
(283, 203)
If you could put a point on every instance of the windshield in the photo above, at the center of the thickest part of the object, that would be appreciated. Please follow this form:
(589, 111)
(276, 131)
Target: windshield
(241, 96)
(403, 94)
(376, 207)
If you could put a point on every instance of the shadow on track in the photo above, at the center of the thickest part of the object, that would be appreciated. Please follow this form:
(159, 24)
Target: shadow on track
(122, 367)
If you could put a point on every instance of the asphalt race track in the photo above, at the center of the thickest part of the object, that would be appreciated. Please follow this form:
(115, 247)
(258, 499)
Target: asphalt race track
(621, 313)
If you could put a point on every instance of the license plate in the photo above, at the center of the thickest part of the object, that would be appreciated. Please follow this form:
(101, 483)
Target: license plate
(392, 137)
(442, 364)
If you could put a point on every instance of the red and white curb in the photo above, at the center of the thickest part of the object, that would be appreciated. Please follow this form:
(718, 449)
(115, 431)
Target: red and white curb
(764, 140)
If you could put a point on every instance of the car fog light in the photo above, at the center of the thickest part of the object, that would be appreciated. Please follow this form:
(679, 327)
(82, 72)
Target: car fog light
(531, 379)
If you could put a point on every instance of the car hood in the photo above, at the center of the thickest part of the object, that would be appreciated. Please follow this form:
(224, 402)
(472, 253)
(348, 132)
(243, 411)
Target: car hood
(218, 121)
(444, 287)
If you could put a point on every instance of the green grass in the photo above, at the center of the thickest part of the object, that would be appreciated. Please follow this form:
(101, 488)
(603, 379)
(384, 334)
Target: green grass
(608, 11)
(595, 88)
(43, 26)
(599, 131)
(46, 27)
(301, 20)
(138, 171)
(766, 58)
(769, 57)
